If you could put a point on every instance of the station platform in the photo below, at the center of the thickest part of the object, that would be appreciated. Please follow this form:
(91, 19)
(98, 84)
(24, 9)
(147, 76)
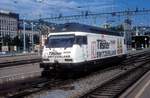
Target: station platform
(141, 89)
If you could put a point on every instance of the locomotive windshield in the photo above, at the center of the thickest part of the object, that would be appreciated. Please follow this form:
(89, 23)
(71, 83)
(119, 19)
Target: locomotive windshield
(57, 41)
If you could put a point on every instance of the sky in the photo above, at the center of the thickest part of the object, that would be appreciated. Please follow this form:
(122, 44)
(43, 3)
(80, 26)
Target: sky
(33, 9)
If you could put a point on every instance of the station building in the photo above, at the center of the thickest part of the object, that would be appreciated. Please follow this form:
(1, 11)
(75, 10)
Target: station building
(8, 25)
(140, 42)
(141, 37)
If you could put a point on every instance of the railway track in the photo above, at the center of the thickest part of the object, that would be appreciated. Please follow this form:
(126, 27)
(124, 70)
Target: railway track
(29, 86)
(37, 87)
(21, 62)
(114, 87)
(39, 84)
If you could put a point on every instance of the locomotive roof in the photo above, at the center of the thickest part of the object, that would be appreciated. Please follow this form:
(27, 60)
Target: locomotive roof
(69, 27)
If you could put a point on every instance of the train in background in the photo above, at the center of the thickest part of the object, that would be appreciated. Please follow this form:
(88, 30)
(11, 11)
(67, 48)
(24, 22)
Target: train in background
(74, 48)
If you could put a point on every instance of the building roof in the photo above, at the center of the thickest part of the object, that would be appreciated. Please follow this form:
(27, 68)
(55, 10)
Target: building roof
(10, 14)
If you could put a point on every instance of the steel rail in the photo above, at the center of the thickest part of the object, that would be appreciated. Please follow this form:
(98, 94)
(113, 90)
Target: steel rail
(17, 63)
(114, 87)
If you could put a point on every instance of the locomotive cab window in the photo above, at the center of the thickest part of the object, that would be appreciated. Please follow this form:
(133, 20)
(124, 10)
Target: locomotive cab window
(58, 41)
(81, 40)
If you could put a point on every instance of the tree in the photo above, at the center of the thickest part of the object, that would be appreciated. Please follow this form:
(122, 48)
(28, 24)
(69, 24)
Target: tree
(27, 41)
(36, 39)
(17, 41)
(118, 28)
(7, 40)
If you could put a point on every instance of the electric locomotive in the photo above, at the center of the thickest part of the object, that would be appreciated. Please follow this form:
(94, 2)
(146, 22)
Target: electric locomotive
(77, 47)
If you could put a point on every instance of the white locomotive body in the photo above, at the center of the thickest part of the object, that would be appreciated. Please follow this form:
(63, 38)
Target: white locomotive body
(81, 48)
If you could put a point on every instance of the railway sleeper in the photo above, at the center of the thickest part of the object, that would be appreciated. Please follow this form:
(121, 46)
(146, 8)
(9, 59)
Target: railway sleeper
(111, 89)
(102, 94)
(106, 92)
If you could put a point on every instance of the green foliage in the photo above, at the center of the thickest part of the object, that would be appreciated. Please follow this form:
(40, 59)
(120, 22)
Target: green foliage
(17, 41)
(118, 28)
(7, 40)
(36, 39)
